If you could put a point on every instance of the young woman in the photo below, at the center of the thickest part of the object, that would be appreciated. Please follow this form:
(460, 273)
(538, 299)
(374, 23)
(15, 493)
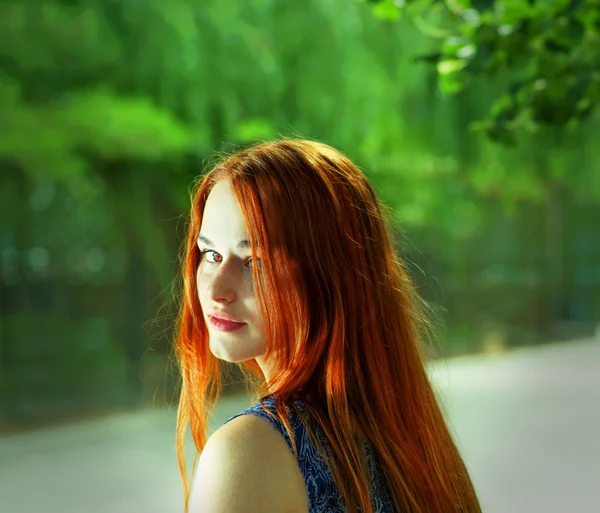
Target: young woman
(289, 270)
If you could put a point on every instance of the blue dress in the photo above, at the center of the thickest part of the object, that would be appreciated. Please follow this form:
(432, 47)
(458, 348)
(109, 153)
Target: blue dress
(323, 496)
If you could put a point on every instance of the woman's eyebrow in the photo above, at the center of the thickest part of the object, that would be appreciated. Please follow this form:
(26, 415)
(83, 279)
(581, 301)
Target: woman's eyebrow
(244, 244)
(203, 239)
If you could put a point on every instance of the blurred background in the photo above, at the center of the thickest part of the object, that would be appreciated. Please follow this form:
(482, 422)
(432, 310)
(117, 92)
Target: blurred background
(475, 121)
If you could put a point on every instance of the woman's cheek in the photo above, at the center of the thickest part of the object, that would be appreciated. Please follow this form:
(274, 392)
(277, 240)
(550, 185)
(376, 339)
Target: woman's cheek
(201, 280)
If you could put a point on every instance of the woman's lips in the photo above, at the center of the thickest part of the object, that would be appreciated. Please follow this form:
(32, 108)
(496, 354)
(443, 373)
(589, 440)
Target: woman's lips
(224, 325)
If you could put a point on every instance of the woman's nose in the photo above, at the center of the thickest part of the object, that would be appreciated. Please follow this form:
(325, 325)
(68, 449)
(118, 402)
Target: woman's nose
(223, 285)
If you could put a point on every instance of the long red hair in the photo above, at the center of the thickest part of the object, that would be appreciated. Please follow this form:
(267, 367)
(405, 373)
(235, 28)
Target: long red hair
(343, 327)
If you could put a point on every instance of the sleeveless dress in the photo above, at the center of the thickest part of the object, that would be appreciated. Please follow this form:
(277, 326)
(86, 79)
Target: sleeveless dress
(323, 496)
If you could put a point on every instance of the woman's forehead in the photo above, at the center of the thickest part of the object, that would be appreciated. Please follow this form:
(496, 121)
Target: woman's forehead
(222, 219)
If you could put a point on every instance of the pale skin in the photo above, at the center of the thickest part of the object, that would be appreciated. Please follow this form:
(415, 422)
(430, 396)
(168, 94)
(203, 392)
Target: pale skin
(246, 465)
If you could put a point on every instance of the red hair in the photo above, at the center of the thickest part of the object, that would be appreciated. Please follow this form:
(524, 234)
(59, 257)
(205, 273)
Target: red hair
(342, 327)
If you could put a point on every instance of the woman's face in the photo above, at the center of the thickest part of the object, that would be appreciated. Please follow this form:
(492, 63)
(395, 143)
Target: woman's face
(224, 277)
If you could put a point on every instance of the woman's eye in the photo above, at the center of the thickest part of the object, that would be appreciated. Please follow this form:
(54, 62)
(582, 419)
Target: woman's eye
(212, 256)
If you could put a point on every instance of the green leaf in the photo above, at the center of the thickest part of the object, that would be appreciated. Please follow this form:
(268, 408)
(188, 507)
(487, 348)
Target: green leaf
(388, 9)
(448, 66)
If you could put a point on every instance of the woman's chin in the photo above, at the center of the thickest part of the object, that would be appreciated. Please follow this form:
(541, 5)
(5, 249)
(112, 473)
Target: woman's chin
(233, 355)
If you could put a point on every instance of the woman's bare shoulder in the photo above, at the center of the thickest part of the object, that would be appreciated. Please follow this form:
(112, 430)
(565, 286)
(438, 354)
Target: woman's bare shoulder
(247, 466)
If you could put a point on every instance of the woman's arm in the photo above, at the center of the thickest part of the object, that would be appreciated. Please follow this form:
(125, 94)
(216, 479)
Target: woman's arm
(247, 467)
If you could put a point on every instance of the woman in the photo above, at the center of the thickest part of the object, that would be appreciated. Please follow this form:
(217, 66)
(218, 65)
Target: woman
(289, 270)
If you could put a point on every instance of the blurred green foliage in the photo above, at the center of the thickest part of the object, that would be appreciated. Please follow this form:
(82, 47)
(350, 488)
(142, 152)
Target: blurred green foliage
(544, 53)
(108, 111)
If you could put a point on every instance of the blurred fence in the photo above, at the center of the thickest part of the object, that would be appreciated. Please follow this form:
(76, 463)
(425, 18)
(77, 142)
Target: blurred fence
(521, 278)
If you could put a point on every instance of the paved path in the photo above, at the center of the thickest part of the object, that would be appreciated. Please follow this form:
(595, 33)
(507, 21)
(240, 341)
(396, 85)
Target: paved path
(527, 422)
